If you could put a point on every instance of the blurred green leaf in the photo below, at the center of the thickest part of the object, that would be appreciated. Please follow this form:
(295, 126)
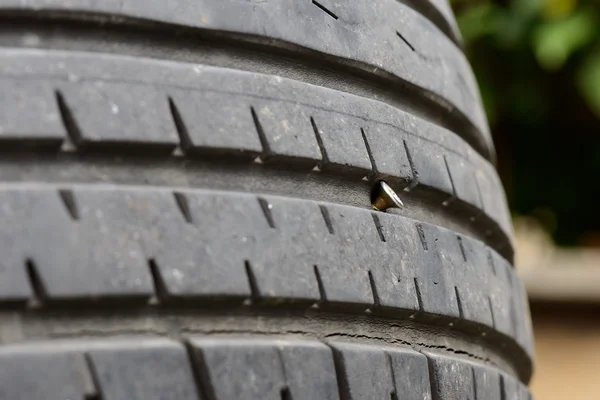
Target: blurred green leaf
(554, 42)
(476, 22)
(588, 81)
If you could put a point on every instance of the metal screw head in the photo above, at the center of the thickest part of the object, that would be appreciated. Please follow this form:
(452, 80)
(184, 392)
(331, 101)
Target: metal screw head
(384, 197)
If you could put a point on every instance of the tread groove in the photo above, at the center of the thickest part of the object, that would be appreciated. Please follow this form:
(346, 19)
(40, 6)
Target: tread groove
(327, 11)
(261, 135)
(320, 143)
(184, 206)
(321, 286)
(340, 373)
(435, 393)
(98, 395)
(286, 394)
(492, 312)
(35, 281)
(453, 197)
(419, 296)
(202, 381)
(182, 131)
(327, 218)
(393, 394)
(405, 41)
(376, 300)
(378, 226)
(462, 247)
(68, 200)
(422, 237)
(502, 388)
(369, 152)
(160, 287)
(415, 174)
(490, 259)
(461, 312)
(252, 282)
(474, 379)
(266, 209)
(68, 119)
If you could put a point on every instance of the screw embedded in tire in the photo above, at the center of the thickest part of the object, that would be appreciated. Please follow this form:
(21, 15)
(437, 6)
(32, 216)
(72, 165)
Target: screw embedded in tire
(384, 197)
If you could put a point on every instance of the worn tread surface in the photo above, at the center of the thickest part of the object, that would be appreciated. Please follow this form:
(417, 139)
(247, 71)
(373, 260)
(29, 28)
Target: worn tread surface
(205, 367)
(85, 243)
(102, 103)
(185, 205)
(383, 40)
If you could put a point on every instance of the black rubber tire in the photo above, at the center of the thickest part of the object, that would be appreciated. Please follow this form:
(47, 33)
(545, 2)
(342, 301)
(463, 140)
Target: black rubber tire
(185, 210)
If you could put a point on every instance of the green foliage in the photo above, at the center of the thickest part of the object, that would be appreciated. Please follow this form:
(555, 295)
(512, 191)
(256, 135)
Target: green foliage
(538, 66)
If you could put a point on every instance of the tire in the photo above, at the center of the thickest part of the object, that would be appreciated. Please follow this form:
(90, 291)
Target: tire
(186, 212)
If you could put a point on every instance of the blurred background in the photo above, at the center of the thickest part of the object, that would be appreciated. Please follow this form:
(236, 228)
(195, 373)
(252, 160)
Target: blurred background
(538, 67)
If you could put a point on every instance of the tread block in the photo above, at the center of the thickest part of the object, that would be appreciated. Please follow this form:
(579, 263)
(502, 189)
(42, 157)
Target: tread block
(411, 374)
(493, 200)
(194, 259)
(500, 292)
(395, 280)
(152, 370)
(437, 291)
(215, 123)
(287, 134)
(469, 271)
(342, 144)
(513, 389)
(452, 378)
(309, 370)
(487, 383)
(117, 115)
(345, 270)
(301, 241)
(463, 180)
(364, 371)
(429, 167)
(26, 374)
(374, 372)
(240, 369)
(29, 115)
(389, 154)
(58, 254)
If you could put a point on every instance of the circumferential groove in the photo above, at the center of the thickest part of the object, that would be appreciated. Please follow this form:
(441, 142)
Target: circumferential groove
(327, 11)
